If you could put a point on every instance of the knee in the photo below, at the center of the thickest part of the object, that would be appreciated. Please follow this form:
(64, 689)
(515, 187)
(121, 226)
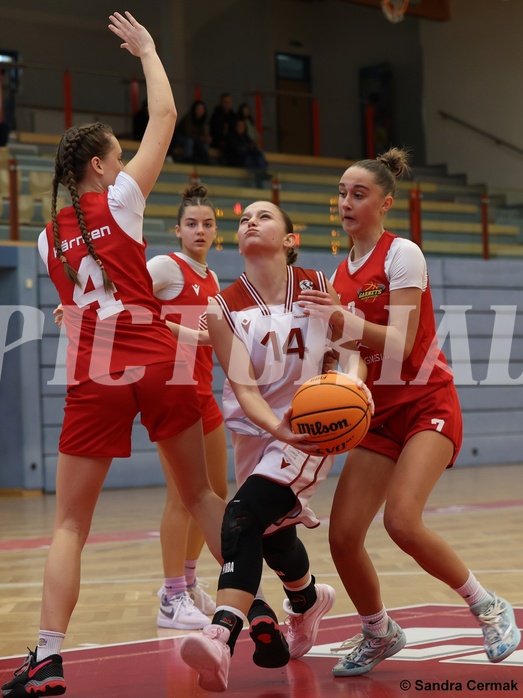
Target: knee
(402, 530)
(344, 540)
(239, 524)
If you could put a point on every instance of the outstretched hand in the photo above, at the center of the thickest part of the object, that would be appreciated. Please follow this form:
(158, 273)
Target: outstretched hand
(136, 39)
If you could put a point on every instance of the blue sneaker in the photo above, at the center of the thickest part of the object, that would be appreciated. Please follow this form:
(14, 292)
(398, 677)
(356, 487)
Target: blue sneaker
(368, 650)
(498, 625)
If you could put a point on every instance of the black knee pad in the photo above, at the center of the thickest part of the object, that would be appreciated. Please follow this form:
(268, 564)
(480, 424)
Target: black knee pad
(285, 553)
(237, 520)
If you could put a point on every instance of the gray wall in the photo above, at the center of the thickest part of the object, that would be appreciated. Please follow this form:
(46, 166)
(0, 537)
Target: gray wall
(472, 69)
(480, 321)
(222, 46)
(469, 66)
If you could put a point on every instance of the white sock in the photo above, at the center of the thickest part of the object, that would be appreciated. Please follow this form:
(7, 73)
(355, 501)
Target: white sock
(377, 624)
(49, 642)
(473, 592)
(303, 586)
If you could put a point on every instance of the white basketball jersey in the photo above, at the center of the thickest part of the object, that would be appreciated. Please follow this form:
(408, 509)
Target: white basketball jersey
(285, 346)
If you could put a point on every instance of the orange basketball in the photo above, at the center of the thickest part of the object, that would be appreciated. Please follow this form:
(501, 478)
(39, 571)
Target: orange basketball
(332, 411)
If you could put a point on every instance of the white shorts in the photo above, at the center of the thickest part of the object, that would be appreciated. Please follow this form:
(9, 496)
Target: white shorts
(277, 461)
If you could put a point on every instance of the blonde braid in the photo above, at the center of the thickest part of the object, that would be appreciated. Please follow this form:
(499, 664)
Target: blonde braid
(65, 172)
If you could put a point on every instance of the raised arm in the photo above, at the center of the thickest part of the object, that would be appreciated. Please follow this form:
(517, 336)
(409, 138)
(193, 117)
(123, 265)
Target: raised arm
(146, 165)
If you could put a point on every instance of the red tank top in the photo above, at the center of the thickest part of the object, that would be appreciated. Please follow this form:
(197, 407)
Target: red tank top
(107, 332)
(194, 299)
(426, 368)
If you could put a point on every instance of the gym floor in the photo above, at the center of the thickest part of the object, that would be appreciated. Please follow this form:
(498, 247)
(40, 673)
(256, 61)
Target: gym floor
(114, 649)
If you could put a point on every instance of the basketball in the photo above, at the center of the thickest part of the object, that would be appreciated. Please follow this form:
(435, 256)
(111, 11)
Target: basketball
(332, 411)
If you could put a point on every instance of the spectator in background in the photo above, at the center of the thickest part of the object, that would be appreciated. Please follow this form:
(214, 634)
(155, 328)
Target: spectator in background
(241, 151)
(222, 122)
(244, 113)
(193, 136)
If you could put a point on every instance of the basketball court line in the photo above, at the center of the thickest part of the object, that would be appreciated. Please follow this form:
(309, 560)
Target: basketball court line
(323, 576)
(16, 544)
(444, 650)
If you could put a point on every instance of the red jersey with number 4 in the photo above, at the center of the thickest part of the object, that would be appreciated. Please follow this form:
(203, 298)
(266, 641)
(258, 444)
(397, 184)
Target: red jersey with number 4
(392, 383)
(193, 300)
(107, 332)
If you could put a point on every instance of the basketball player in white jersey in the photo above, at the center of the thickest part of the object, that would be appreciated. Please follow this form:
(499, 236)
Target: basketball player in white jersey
(267, 347)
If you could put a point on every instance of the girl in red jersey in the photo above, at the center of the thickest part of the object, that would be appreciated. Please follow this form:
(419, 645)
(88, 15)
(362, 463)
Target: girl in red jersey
(416, 430)
(121, 355)
(183, 283)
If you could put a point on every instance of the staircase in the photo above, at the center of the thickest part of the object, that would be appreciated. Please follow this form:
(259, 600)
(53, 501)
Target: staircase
(306, 188)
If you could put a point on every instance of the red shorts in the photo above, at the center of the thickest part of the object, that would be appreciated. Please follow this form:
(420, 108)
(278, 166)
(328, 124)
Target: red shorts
(98, 418)
(211, 414)
(437, 411)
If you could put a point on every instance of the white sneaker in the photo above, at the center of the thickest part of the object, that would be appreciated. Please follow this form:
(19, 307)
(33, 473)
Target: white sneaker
(367, 650)
(303, 627)
(500, 632)
(179, 612)
(201, 598)
(208, 653)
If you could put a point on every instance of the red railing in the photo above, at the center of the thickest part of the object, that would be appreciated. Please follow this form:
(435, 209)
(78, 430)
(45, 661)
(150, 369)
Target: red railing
(14, 218)
(415, 216)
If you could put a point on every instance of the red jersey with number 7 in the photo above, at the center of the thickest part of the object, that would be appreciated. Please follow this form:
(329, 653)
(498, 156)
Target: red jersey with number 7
(367, 293)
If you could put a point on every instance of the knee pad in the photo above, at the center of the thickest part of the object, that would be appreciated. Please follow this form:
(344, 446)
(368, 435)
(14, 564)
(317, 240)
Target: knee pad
(285, 553)
(237, 520)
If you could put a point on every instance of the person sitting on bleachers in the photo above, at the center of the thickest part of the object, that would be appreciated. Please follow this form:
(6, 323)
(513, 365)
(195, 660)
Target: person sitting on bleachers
(244, 112)
(241, 151)
(192, 135)
(222, 122)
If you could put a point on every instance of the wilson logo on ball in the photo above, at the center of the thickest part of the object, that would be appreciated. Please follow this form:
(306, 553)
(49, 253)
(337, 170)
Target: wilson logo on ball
(318, 428)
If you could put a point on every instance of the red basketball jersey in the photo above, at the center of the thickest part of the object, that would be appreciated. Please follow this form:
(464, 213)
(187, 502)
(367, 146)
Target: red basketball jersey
(107, 332)
(367, 292)
(194, 299)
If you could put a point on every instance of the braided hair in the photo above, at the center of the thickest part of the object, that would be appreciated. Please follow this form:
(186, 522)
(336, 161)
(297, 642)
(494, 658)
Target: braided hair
(78, 146)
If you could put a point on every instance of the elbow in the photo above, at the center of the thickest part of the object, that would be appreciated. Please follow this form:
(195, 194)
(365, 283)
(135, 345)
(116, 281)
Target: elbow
(171, 115)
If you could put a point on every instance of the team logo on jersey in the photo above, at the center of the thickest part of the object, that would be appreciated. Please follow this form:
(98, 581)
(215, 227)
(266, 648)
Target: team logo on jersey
(306, 285)
(246, 324)
(196, 289)
(284, 464)
(370, 291)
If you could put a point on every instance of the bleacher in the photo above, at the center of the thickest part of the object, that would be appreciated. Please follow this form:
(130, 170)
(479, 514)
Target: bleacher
(306, 187)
